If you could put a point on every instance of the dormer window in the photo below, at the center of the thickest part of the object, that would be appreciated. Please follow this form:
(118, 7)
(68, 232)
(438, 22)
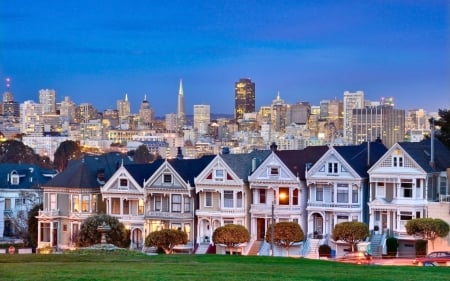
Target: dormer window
(333, 167)
(123, 183)
(167, 179)
(15, 179)
(397, 158)
(219, 175)
(274, 171)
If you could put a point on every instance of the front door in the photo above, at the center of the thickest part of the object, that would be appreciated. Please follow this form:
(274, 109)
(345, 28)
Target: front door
(137, 238)
(261, 228)
(318, 226)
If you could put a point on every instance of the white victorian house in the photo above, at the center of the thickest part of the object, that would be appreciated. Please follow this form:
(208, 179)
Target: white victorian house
(338, 188)
(224, 195)
(403, 183)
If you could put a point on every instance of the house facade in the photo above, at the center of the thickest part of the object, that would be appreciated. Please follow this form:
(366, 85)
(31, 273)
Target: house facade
(403, 184)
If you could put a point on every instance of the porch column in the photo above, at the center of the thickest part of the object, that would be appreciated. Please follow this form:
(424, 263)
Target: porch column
(39, 233)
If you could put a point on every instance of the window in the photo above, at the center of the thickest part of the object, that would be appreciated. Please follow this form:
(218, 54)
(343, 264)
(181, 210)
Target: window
(140, 207)
(7, 204)
(64, 227)
(126, 207)
(176, 226)
(123, 183)
(208, 199)
(228, 199)
(158, 203)
(405, 216)
(94, 203)
(319, 193)
(75, 203)
(18, 202)
(15, 179)
(406, 188)
(342, 194)
(53, 201)
(115, 206)
(167, 178)
(85, 203)
(274, 171)
(239, 200)
(355, 194)
(342, 219)
(262, 196)
(397, 161)
(187, 204)
(283, 196)
(380, 190)
(332, 168)
(176, 203)
(45, 232)
(219, 175)
(295, 197)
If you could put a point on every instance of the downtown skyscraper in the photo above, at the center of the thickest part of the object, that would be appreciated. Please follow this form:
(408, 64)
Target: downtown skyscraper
(181, 113)
(244, 97)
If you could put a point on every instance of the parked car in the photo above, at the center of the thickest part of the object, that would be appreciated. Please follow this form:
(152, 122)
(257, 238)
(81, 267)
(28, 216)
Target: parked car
(356, 257)
(434, 259)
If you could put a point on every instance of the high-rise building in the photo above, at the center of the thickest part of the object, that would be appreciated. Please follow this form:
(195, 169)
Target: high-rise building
(85, 112)
(381, 121)
(334, 120)
(30, 118)
(47, 99)
(351, 101)
(67, 110)
(124, 108)
(202, 118)
(244, 97)
(146, 114)
(298, 113)
(278, 114)
(171, 122)
(181, 113)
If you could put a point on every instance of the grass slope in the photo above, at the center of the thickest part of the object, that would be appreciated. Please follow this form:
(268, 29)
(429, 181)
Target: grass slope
(135, 266)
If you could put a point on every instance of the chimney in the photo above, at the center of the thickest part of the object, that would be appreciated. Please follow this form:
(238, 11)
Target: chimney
(254, 161)
(179, 153)
(273, 146)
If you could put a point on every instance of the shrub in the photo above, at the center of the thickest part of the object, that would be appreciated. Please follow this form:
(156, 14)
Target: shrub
(324, 251)
(392, 245)
(89, 234)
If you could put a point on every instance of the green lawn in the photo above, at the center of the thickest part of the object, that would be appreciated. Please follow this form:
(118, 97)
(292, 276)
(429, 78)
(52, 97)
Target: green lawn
(135, 266)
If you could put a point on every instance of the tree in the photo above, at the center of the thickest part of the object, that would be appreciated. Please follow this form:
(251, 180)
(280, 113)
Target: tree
(444, 123)
(285, 234)
(166, 239)
(66, 151)
(143, 155)
(351, 232)
(33, 223)
(89, 235)
(14, 151)
(231, 235)
(427, 228)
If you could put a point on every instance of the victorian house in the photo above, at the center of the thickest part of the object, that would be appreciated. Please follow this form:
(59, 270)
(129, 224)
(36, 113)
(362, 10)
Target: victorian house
(338, 187)
(20, 190)
(279, 191)
(407, 183)
(169, 196)
(72, 196)
(224, 194)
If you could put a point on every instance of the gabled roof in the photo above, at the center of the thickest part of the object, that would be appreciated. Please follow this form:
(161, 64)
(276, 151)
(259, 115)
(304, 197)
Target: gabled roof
(296, 160)
(142, 172)
(30, 176)
(188, 169)
(421, 153)
(241, 164)
(83, 173)
(356, 155)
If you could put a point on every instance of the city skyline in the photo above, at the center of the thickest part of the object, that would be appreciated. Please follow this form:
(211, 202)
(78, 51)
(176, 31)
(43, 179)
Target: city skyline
(308, 52)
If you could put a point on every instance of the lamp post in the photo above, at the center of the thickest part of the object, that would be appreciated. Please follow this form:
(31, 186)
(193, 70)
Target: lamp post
(273, 228)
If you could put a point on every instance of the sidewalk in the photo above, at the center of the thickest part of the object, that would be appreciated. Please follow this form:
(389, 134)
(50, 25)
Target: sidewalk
(394, 261)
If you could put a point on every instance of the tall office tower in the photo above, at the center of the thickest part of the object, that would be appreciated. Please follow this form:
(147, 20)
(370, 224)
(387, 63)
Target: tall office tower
(111, 118)
(9, 106)
(264, 115)
(146, 114)
(334, 120)
(181, 113)
(416, 119)
(30, 118)
(202, 118)
(85, 112)
(381, 121)
(124, 108)
(324, 109)
(351, 101)
(47, 98)
(244, 98)
(171, 122)
(67, 110)
(278, 114)
(298, 113)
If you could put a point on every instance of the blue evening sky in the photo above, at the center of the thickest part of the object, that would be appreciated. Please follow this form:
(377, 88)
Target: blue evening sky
(96, 51)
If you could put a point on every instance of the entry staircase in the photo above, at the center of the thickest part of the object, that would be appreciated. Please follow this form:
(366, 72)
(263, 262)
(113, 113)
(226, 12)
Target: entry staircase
(376, 245)
(311, 249)
(202, 249)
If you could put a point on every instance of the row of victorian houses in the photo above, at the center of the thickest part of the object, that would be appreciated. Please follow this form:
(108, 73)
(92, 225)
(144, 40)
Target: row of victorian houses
(316, 187)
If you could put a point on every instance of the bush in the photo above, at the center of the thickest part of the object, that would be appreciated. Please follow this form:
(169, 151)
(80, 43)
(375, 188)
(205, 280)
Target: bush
(421, 248)
(89, 234)
(392, 245)
(324, 251)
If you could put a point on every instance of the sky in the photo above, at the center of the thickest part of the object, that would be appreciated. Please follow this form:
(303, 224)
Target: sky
(97, 51)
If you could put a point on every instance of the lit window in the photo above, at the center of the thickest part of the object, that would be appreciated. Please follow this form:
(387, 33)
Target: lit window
(75, 203)
(115, 206)
(85, 203)
(45, 232)
(283, 196)
(140, 207)
(94, 203)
